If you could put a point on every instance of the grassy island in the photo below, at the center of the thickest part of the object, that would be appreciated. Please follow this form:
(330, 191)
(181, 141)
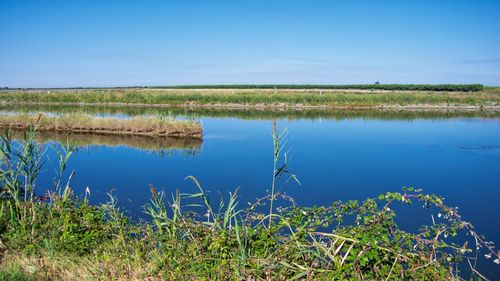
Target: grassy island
(82, 123)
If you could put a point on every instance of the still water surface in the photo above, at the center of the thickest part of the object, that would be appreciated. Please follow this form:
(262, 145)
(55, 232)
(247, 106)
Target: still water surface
(334, 159)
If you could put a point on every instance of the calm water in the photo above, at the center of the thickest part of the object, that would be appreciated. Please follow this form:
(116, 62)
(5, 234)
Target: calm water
(351, 158)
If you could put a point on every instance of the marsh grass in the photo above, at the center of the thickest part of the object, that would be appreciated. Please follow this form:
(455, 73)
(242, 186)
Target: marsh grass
(83, 123)
(281, 98)
(60, 236)
(257, 113)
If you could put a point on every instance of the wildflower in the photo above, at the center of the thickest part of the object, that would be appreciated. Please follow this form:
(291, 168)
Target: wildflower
(497, 261)
(439, 215)
(487, 255)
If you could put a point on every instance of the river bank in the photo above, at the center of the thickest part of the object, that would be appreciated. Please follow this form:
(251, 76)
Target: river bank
(489, 98)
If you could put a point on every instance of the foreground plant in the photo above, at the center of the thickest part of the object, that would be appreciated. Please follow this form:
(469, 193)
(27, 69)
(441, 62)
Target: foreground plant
(56, 235)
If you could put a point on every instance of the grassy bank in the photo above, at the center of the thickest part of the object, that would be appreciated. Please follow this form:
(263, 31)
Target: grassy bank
(280, 98)
(259, 113)
(55, 235)
(81, 123)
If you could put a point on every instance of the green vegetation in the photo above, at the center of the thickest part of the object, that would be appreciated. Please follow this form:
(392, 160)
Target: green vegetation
(258, 113)
(376, 86)
(83, 123)
(260, 98)
(56, 235)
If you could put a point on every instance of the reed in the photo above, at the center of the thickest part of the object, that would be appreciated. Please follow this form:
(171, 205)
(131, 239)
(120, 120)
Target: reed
(81, 123)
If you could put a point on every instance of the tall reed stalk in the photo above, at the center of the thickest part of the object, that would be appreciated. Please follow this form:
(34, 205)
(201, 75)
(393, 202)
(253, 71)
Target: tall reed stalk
(279, 142)
(20, 165)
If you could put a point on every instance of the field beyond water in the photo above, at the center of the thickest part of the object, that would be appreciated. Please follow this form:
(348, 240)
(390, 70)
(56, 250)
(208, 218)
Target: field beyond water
(460, 98)
(377, 86)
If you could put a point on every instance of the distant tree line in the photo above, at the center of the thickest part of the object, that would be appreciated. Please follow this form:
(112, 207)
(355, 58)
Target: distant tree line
(406, 87)
(375, 86)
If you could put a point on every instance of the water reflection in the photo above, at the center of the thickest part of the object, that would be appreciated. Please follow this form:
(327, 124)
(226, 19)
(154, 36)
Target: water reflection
(257, 114)
(156, 145)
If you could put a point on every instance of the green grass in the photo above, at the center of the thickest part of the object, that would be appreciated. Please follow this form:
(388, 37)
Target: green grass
(57, 236)
(16, 273)
(256, 98)
(257, 114)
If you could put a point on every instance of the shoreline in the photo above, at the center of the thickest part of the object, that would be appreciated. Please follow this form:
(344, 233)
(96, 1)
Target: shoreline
(261, 99)
(281, 106)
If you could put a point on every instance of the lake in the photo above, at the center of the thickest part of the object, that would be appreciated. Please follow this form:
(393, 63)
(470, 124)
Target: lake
(336, 156)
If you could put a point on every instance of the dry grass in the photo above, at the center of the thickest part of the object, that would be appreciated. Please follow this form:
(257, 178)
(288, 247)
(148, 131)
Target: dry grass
(26, 267)
(81, 123)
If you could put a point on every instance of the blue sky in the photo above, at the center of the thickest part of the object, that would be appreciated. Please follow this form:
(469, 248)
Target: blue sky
(123, 43)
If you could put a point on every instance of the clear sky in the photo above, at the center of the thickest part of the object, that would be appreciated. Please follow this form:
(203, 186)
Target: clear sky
(123, 43)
